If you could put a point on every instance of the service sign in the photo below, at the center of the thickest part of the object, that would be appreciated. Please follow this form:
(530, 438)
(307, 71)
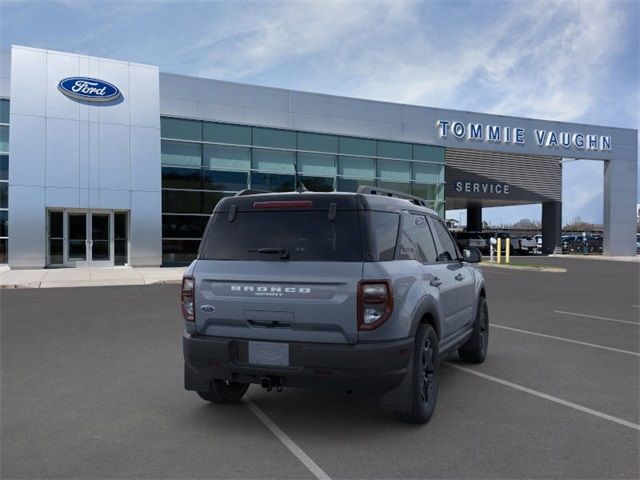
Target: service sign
(88, 89)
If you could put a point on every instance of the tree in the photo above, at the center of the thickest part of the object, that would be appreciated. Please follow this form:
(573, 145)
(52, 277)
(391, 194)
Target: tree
(578, 225)
(527, 224)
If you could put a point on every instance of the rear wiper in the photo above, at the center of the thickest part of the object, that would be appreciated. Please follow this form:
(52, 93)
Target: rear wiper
(283, 252)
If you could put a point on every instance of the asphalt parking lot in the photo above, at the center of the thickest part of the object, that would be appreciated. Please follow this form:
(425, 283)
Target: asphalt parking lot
(92, 388)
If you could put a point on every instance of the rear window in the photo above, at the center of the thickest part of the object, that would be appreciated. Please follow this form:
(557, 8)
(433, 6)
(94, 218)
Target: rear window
(300, 235)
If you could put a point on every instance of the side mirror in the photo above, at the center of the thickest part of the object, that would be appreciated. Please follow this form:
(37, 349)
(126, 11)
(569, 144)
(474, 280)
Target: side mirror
(471, 255)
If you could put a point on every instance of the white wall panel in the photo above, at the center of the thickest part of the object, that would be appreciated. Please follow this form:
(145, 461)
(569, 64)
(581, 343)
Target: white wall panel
(94, 198)
(316, 123)
(27, 220)
(94, 155)
(272, 118)
(388, 131)
(416, 115)
(178, 107)
(5, 64)
(63, 153)
(222, 113)
(146, 228)
(27, 139)
(62, 197)
(5, 74)
(145, 155)
(220, 92)
(413, 132)
(387, 112)
(28, 81)
(115, 199)
(350, 126)
(115, 165)
(341, 107)
(118, 74)
(179, 87)
(83, 198)
(144, 97)
(266, 98)
(59, 66)
(5, 87)
(84, 153)
(309, 103)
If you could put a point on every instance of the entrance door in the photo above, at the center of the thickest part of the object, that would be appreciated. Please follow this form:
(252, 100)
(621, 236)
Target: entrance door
(101, 240)
(82, 238)
(77, 240)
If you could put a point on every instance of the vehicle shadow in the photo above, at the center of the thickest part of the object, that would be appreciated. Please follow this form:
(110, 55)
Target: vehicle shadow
(330, 412)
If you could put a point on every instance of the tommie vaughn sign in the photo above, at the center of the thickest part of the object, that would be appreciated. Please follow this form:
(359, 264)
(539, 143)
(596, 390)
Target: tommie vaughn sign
(88, 89)
(478, 132)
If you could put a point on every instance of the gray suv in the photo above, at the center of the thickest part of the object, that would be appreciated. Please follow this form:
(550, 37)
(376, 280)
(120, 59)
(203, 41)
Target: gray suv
(361, 292)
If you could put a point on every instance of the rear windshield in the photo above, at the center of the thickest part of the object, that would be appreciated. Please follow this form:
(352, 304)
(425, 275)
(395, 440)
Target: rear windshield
(284, 235)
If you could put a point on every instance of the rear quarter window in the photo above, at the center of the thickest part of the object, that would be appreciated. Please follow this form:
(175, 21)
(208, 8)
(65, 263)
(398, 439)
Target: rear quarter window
(382, 233)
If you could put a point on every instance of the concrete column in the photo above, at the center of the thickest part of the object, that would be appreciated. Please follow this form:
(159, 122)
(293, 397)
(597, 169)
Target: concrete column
(619, 216)
(474, 219)
(551, 226)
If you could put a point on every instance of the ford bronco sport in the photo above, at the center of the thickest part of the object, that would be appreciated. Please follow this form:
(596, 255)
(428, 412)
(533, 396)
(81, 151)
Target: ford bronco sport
(353, 291)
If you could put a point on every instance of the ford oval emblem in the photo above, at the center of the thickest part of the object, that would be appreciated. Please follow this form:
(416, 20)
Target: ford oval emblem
(89, 89)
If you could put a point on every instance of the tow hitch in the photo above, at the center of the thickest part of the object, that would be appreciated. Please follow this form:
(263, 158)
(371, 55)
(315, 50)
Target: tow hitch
(269, 382)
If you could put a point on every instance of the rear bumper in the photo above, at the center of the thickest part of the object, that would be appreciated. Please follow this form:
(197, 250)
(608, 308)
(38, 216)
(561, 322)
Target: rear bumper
(368, 368)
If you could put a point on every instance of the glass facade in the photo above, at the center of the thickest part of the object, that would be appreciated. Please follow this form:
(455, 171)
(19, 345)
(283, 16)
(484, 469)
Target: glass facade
(203, 162)
(4, 180)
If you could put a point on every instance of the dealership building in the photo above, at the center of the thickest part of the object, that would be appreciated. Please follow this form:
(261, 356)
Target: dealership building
(107, 162)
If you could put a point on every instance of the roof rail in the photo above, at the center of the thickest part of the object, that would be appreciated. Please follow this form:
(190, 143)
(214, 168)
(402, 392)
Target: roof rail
(391, 193)
(250, 191)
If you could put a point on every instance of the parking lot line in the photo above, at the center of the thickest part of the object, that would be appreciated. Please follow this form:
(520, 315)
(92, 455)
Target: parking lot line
(528, 332)
(551, 398)
(284, 438)
(596, 317)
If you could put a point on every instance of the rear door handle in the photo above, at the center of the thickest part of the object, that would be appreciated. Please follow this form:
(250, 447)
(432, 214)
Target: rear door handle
(436, 282)
(459, 277)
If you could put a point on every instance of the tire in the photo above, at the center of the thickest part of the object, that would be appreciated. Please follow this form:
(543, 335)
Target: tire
(426, 362)
(475, 349)
(224, 392)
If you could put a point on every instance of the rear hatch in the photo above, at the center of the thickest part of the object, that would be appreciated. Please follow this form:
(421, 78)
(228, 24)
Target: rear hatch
(283, 269)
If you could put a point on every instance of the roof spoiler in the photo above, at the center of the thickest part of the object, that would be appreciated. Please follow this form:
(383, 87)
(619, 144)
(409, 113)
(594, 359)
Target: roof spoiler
(368, 190)
(250, 191)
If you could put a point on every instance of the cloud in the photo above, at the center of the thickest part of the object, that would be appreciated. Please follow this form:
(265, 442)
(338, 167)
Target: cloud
(573, 60)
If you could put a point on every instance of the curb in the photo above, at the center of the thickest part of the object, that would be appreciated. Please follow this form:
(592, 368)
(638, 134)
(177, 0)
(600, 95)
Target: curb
(523, 267)
(63, 284)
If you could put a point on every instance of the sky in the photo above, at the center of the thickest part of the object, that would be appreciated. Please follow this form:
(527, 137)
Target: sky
(567, 60)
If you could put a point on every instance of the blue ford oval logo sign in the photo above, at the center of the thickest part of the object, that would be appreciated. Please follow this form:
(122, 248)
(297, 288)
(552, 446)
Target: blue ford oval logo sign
(89, 89)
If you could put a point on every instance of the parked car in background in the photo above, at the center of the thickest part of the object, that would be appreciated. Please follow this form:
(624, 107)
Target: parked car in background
(638, 243)
(568, 243)
(582, 244)
(527, 245)
(471, 239)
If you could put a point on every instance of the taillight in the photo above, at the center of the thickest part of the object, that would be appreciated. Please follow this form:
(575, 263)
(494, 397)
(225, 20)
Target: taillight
(186, 298)
(375, 303)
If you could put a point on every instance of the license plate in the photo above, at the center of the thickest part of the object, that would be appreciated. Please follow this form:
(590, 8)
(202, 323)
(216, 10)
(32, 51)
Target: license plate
(268, 353)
